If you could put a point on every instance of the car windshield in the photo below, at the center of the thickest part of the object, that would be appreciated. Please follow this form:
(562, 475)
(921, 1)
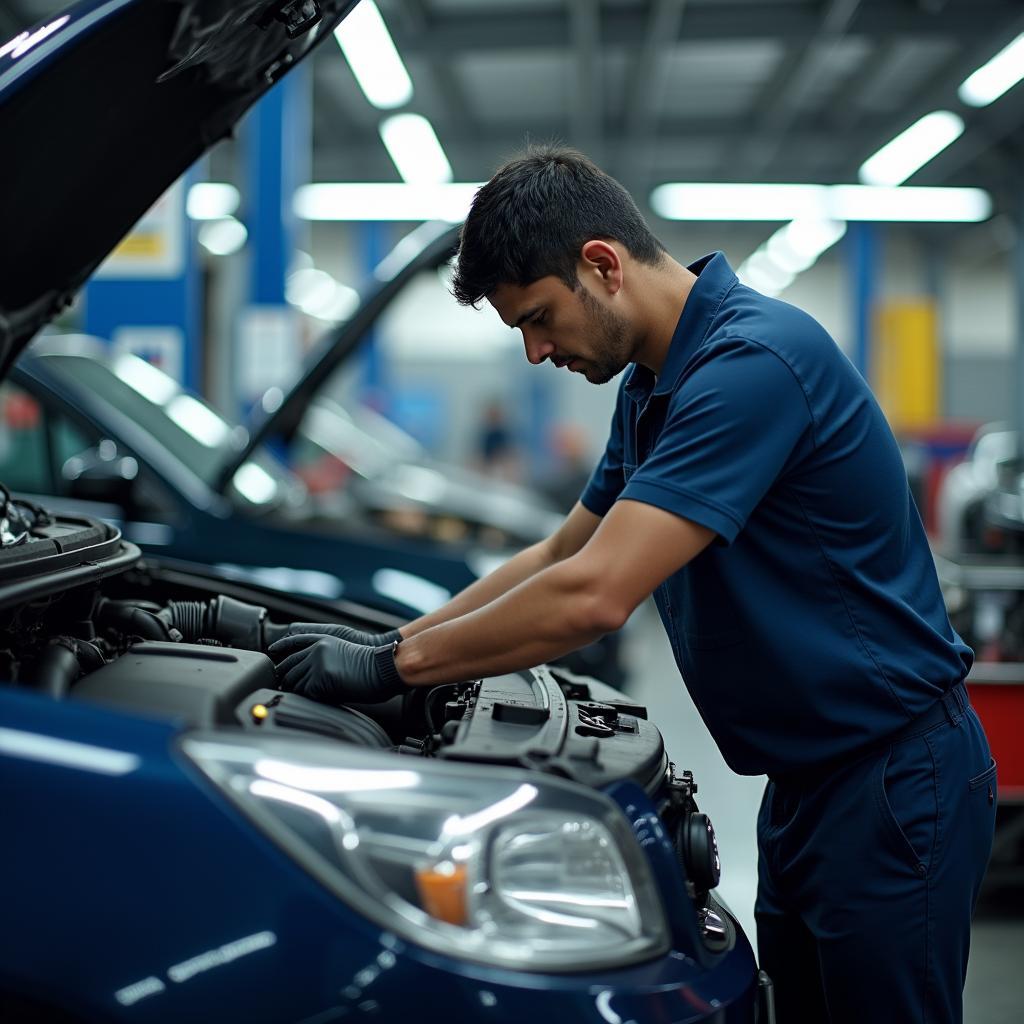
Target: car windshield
(179, 421)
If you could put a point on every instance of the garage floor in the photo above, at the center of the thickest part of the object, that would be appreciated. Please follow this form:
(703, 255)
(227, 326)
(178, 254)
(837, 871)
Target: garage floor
(995, 982)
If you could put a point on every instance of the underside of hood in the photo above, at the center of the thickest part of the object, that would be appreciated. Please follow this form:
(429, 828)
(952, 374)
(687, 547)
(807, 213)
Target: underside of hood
(103, 107)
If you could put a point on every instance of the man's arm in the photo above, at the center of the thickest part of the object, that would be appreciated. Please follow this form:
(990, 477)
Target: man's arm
(558, 607)
(577, 528)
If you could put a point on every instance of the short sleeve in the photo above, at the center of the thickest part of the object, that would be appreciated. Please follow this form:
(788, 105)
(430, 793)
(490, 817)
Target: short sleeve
(607, 480)
(731, 428)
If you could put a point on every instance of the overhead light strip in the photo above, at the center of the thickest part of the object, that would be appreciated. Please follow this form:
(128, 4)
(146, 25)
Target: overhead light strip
(708, 201)
(995, 77)
(371, 54)
(385, 201)
(909, 151)
(414, 147)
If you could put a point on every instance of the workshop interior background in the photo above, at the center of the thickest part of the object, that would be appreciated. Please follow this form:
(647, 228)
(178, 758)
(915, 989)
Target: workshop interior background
(267, 242)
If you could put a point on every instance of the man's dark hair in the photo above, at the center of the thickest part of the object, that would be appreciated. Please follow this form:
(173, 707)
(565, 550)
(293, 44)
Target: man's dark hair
(533, 217)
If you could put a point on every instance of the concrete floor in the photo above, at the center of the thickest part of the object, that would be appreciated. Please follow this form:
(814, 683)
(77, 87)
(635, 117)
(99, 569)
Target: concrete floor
(995, 980)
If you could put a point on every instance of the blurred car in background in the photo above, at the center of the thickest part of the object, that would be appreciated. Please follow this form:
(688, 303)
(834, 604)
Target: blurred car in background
(339, 498)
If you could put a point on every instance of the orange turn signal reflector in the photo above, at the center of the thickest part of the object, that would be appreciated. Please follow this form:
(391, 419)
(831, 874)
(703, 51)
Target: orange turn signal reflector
(259, 712)
(442, 891)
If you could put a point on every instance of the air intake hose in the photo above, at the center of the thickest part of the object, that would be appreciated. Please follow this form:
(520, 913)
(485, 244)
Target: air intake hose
(223, 619)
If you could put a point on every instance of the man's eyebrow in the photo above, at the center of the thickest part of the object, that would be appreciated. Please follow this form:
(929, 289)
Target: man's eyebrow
(526, 316)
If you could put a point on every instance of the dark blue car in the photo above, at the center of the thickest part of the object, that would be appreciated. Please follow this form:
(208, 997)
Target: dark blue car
(182, 840)
(306, 497)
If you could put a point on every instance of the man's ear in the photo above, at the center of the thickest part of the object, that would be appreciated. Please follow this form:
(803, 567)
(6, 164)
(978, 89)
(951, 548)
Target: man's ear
(601, 263)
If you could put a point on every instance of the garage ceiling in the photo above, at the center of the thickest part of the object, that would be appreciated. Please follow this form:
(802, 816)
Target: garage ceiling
(657, 90)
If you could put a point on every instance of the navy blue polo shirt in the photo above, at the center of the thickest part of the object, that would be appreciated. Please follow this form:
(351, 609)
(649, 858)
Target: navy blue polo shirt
(814, 624)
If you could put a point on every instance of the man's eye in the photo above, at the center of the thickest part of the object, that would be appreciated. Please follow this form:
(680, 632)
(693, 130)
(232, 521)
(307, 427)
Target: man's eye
(539, 318)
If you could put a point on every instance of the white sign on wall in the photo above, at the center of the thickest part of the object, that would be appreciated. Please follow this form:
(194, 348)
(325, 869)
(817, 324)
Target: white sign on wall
(155, 247)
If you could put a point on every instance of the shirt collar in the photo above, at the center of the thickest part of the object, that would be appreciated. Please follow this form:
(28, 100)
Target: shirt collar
(714, 280)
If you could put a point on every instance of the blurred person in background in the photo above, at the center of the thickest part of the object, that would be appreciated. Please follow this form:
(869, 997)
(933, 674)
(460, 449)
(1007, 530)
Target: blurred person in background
(565, 482)
(497, 452)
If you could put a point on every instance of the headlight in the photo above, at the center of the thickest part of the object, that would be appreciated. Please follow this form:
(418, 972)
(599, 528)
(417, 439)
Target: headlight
(493, 865)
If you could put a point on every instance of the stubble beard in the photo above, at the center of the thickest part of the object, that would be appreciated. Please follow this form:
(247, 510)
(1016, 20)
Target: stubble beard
(613, 348)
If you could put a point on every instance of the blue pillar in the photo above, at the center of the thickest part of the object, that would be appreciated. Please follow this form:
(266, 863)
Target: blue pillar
(277, 139)
(146, 298)
(375, 387)
(862, 251)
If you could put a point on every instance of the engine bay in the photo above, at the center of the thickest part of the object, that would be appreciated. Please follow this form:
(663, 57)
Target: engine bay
(84, 618)
(202, 663)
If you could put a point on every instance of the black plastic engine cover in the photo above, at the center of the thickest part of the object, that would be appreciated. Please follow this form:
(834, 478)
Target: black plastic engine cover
(194, 683)
(270, 711)
(581, 729)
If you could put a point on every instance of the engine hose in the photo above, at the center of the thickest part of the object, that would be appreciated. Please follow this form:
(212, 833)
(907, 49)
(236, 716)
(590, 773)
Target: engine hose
(231, 622)
(89, 655)
(56, 668)
(128, 617)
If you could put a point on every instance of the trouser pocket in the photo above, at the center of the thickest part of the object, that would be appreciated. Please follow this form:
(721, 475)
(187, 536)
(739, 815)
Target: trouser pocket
(905, 795)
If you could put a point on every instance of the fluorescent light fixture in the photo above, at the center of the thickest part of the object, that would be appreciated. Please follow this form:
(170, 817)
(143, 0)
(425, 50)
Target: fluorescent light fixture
(757, 202)
(907, 204)
(212, 200)
(898, 159)
(371, 54)
(385, 201)
(745, 202)
(415, 149)
(793, 249)
(797, 246)
(1000, 74)
(223, 237)
(763, 273)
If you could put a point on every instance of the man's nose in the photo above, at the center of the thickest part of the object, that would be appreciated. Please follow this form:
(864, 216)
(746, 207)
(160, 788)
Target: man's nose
(537, 350)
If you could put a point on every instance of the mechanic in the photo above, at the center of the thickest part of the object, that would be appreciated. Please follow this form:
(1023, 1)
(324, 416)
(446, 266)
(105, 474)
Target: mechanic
(752, 485)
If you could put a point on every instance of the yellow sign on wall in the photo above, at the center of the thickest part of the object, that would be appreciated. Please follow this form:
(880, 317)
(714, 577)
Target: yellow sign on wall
(906, 363)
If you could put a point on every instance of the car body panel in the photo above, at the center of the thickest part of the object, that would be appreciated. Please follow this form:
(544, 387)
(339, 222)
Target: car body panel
(228, 921)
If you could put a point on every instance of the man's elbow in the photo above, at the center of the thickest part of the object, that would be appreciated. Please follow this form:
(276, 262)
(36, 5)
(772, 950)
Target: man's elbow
(600, 609)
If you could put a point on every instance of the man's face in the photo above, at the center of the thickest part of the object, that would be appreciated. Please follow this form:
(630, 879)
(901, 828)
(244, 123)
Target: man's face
(571, 328)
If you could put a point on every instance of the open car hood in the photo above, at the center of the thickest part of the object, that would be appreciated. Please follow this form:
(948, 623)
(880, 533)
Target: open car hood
(103, 107)
(282, 418)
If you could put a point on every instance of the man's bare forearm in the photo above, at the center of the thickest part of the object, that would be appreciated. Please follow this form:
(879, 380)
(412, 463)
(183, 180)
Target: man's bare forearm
(522, 566)
(575, 531)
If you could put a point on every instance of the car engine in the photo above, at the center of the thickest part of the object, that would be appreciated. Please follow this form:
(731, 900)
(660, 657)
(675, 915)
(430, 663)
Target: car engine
(99, 625)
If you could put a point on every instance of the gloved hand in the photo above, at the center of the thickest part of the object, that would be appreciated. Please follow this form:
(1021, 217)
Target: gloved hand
(353, 636)
(336, 671)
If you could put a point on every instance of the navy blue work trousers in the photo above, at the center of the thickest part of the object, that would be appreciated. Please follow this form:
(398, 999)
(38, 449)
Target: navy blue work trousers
(868, 877)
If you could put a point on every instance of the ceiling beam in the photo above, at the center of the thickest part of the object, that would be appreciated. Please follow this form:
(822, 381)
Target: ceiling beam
(587, 110)
(989, 135)
(782, 101)
(417, 21)
(939, 91)
(493, 29)
(646, 95)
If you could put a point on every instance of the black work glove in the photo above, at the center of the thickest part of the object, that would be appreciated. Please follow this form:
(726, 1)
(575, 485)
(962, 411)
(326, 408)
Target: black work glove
(353, 636)
(335, 671)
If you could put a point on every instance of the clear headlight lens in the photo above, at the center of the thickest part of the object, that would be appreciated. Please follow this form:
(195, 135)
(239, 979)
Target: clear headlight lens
(503, 867)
